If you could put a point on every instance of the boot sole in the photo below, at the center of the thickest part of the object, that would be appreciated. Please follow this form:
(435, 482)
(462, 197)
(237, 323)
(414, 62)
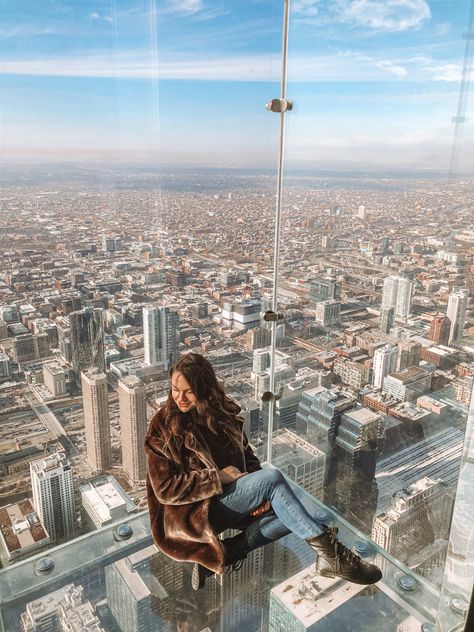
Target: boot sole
(198, 578)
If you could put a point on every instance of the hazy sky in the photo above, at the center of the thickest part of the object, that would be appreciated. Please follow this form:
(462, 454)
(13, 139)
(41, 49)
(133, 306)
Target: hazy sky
(374, 82)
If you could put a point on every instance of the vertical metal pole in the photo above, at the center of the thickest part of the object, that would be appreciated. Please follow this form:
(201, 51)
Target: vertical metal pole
(276, 252)
(460, 117)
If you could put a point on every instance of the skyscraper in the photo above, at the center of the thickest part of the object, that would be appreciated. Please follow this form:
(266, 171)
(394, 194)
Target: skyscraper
(389, 292)
(385, 362)
(328, 313)
(133, 426)
(261, 359)
(404, 295)
(301, 461)
(456, 313)
(96, 419)
(418, 515)
(348, 435)
(323, 290)
(160, 329)
(139, 588)
(387, 319)
(397, 292)
(87, 340)
(53, 494)
(62, 609)
(439, 329)
(409, 354)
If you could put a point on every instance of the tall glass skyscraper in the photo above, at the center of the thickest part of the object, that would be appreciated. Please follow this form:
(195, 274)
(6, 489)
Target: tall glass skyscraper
(457, 304)
(160, 329)
(87, 340)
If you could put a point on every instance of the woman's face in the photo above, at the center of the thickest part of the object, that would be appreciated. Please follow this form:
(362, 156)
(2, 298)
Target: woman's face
(181, 392)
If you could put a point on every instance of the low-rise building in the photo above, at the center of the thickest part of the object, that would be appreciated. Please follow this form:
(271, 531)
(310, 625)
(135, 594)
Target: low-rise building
(103, 501)
(21, 531)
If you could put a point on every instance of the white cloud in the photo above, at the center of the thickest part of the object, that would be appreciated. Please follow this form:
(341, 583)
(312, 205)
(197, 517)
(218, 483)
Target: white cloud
(398, 71)
(94, 16)
(447, 72)
(387, 15)
(305, 8)
(140, 64)
(183, 6)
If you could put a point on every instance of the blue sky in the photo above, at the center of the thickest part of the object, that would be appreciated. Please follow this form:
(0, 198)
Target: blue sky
(374, 82)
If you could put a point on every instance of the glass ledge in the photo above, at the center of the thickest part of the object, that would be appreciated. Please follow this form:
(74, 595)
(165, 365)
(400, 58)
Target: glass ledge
(129, 585)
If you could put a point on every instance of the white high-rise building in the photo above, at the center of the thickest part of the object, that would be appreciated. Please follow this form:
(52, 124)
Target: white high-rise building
(418, 515)
(261, 360)
(53, 494)
(456, 313)
(328, 313)
(63, 609)
(133, 426)
(160, 329)
(96, 419)
(389, 292)
(385, 362)
(54, 378)
(397, 293)
(404, 295)
(5, 367)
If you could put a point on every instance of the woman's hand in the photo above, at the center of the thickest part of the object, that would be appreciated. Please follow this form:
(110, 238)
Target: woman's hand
(264, 507)
(230, 474)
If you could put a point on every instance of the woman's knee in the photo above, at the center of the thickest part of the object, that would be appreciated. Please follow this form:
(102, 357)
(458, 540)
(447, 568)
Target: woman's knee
(273, 476)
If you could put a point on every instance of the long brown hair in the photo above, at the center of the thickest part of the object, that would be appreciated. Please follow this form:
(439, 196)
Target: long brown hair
(218, 410)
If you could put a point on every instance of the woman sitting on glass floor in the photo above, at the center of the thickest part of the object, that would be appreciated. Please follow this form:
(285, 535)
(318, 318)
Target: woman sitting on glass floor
(204, 478)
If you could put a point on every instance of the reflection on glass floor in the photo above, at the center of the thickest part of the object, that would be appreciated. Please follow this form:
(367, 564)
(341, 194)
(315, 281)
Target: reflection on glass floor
(100, 582)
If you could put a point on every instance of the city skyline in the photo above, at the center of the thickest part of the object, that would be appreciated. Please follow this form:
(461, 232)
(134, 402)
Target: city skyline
(172, 82)
(84, 265)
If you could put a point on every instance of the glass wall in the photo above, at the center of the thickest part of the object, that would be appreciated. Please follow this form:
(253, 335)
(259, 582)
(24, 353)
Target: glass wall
(318, 252)
(374, 354)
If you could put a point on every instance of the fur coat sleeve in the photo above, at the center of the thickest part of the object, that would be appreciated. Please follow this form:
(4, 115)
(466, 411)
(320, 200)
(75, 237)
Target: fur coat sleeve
(172, 485)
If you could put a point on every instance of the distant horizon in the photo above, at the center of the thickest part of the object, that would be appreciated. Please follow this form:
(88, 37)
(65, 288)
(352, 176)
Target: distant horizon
(332, 169)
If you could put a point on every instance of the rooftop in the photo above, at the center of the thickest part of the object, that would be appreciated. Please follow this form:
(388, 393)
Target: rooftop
(20, 526)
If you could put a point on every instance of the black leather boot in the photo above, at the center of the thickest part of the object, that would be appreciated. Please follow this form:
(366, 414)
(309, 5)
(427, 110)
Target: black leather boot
(236, 550)
(336, 560)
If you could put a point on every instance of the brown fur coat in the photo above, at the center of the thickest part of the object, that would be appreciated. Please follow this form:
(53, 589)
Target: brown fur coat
(181, 480)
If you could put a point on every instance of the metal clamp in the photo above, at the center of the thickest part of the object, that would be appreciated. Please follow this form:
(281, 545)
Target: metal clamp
(122, 532)
(268, 396)
(269, 316)
(279, 105)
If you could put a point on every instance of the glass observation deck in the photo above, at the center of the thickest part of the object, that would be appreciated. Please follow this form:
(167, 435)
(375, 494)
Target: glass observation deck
(286, 188)
(116, 579)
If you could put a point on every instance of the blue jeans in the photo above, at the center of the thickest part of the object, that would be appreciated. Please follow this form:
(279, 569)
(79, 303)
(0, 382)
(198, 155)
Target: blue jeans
(231, 509)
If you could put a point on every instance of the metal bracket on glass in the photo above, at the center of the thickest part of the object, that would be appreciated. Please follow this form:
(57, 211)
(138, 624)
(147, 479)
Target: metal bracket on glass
(44, 566)
(122, 532)
(407, 583)
(279, 105)
(459, 604)
(363, 549)
(270, 316)
(268, 396)
(323, 516)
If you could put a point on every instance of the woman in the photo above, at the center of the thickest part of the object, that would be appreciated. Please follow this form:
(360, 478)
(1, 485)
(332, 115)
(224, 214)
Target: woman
(204, 478)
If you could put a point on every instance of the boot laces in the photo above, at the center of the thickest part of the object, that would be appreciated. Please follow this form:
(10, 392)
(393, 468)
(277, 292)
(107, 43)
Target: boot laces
(349, 555)
(342, 549)
(235, 566)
